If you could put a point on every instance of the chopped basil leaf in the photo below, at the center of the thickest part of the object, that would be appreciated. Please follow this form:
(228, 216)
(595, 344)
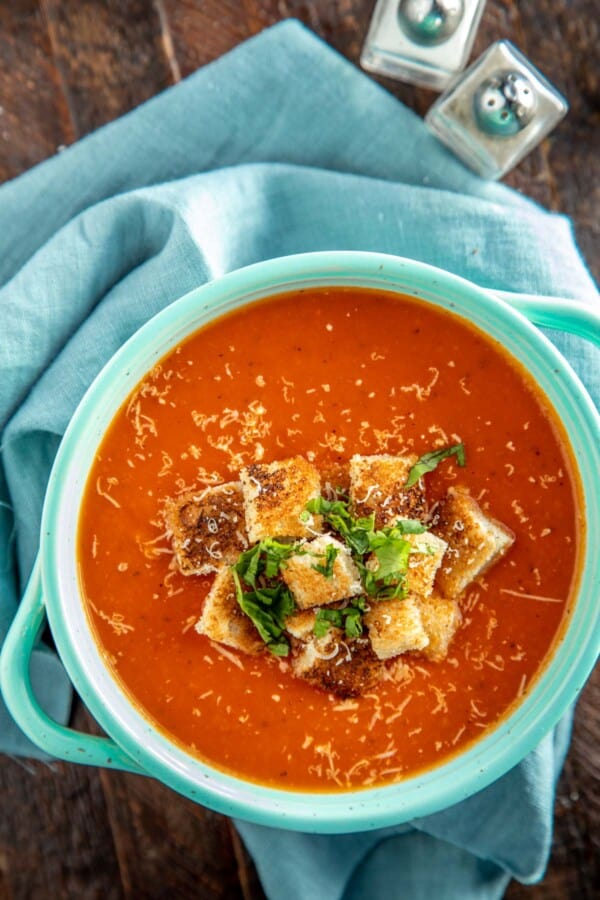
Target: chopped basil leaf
(336, 513)
(353, 624)
(264, 559)
(392, 552)
(349, 618)
(268, 604)
(325, 618)
(276, 553)
(390, 587)
(410, 526)
(329, 556)
(430, 461)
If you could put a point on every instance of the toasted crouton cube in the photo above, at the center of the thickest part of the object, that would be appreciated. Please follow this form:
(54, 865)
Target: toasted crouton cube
(301, 625)
(311, 587)
(345, 667)
(223, 621)
(475, 541)
(395, 626)
(377, 485)
(427, 552)
(207, 528)
(275, 498)
(335, 479)
(441, 620)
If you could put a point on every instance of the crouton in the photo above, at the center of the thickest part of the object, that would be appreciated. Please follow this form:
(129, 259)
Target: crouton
(206, 528)
(377, 486)
(223, 620)
(475, 541)
(335, 479)
(275, 498)
(427, 552)
(395, 626)
(346, 667)
(311, 587)
(441, 620)
(301, 624)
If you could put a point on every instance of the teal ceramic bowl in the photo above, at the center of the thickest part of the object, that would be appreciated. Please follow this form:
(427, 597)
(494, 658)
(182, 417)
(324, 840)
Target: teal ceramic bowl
(132, 743)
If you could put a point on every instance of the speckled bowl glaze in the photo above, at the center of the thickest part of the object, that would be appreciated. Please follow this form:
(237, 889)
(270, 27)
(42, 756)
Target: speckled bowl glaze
(132, 743)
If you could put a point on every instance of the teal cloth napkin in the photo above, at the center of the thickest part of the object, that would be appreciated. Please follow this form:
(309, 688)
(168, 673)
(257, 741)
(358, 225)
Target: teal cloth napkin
(280, 147)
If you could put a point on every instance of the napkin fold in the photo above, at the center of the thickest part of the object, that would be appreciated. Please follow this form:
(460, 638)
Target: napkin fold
(279, 147)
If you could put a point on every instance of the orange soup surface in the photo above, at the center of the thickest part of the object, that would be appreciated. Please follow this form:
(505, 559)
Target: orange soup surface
(328, 373)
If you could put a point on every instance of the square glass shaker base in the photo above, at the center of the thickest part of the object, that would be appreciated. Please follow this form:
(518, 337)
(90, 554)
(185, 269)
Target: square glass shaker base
(390, 50)
(412, 71)
(453, 120)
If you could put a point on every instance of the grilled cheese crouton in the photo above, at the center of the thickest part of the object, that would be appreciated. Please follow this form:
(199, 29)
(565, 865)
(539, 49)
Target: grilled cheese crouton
(475, 541)
(301, 624)
(395, 626)
(311, 587)
(345, 667)
(377, 486)
(223, 621)
(275, 498)
(335, 479)
(427, 552)
(206, 528)
(441, 620)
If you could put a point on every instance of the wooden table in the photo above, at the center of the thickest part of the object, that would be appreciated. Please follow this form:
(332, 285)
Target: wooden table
(69, 66)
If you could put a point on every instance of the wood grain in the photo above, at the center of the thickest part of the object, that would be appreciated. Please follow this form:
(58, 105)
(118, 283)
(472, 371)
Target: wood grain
(566, 49)
(574, 870)
(34, 116)
(55, 836)
(149, 828)
(68, 67)
(109, 55)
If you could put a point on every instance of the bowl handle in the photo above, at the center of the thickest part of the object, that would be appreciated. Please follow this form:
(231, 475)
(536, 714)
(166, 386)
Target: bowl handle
(57, 740)
(553, 312)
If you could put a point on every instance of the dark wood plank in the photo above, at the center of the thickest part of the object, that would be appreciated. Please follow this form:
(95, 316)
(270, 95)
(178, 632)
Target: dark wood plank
(34, 117)
(201, 32)
(574, 870)
(168, 846)
(248, 876)
(157, 831)
(562, 39)
(111, 55)
(55, 835)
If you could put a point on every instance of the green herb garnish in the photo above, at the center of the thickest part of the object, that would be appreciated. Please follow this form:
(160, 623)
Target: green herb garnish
(349, 619)
(386, 580)
(430, 461)
(264, 559)
(329, 556)
(269, 602)
(325, 618)
(336, 513)
(268, 609)
(410, 526)
(391, 551)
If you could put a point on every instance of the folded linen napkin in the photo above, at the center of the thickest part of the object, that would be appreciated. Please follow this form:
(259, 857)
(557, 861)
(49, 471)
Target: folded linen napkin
(280, 147)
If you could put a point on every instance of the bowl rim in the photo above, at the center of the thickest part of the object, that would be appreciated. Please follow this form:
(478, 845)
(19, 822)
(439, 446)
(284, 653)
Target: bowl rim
(426, 792)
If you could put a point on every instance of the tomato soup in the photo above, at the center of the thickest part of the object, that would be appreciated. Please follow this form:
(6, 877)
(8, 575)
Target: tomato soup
(328, 373)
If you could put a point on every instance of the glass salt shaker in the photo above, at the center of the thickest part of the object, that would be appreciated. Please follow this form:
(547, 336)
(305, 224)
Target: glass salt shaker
(497, 111)
(425, 42)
